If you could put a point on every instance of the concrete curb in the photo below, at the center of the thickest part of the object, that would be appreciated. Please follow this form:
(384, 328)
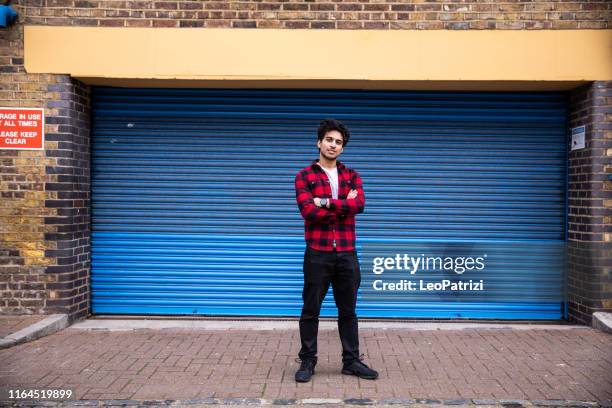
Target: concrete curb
(45, 327)
(602, 321)
(170, 324)
(313, 402)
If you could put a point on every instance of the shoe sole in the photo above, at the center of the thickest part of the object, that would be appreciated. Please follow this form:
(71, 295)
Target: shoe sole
(365, 377)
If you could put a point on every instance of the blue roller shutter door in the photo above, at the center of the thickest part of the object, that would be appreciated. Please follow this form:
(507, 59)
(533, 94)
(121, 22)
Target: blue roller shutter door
(193, 208)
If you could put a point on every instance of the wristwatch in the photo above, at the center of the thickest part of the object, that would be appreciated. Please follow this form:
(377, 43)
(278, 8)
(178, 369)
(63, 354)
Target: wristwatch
(323, 202)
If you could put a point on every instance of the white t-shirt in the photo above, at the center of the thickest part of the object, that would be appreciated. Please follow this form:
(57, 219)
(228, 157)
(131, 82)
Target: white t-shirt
(333, 180)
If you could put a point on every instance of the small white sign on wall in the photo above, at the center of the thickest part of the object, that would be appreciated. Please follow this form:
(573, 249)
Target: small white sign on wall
(578, 137)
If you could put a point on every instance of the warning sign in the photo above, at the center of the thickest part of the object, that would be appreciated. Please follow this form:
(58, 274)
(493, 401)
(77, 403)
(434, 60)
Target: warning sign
(22, 128)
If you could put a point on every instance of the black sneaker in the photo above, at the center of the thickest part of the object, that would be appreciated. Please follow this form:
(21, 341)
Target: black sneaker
(305, 372)
(359, 369)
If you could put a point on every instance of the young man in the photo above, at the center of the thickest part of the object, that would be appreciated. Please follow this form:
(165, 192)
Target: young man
(329, 195)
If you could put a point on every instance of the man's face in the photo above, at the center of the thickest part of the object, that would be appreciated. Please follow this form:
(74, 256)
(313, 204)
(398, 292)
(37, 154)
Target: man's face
(331, 145)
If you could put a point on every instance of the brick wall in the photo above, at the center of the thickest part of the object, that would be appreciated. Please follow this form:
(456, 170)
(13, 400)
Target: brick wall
(44, 241)
(22, 246)
(68, 193)
(356, 14)
(22, 189)
(590, 204)
(44, 211)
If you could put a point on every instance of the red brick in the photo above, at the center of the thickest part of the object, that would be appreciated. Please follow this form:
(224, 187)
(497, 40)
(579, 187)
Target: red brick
(112, 23)
(296, 24)
(165, 23)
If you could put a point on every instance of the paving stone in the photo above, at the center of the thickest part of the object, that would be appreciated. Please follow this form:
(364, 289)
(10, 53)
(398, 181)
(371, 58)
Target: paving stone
(240, 401)
(582, 404)
(394, 401)
(193, 401)
(428, 401)
(120, 403)
(321, 401)
(358, 401)
(513, 403)
(79, 403)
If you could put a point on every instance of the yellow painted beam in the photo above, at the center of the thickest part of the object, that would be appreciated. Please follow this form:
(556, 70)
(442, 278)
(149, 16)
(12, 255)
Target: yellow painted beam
(204, 56)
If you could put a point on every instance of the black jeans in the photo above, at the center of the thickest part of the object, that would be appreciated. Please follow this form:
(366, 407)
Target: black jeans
(341, 269)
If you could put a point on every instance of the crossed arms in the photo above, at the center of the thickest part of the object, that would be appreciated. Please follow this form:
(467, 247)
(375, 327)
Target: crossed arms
(310, 207)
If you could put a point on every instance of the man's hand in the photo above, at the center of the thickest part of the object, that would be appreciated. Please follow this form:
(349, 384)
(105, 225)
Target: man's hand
(351, 196)
(317, 202)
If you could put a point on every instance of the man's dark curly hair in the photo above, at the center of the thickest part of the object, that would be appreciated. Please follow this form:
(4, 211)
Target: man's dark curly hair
(332, 124)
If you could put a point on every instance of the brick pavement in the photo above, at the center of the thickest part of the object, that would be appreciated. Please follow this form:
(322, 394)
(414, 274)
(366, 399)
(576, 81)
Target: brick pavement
(534, 364)
(12, 324)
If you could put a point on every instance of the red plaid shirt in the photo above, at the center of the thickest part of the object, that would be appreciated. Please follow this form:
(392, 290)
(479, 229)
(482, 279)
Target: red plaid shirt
(333, 228)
